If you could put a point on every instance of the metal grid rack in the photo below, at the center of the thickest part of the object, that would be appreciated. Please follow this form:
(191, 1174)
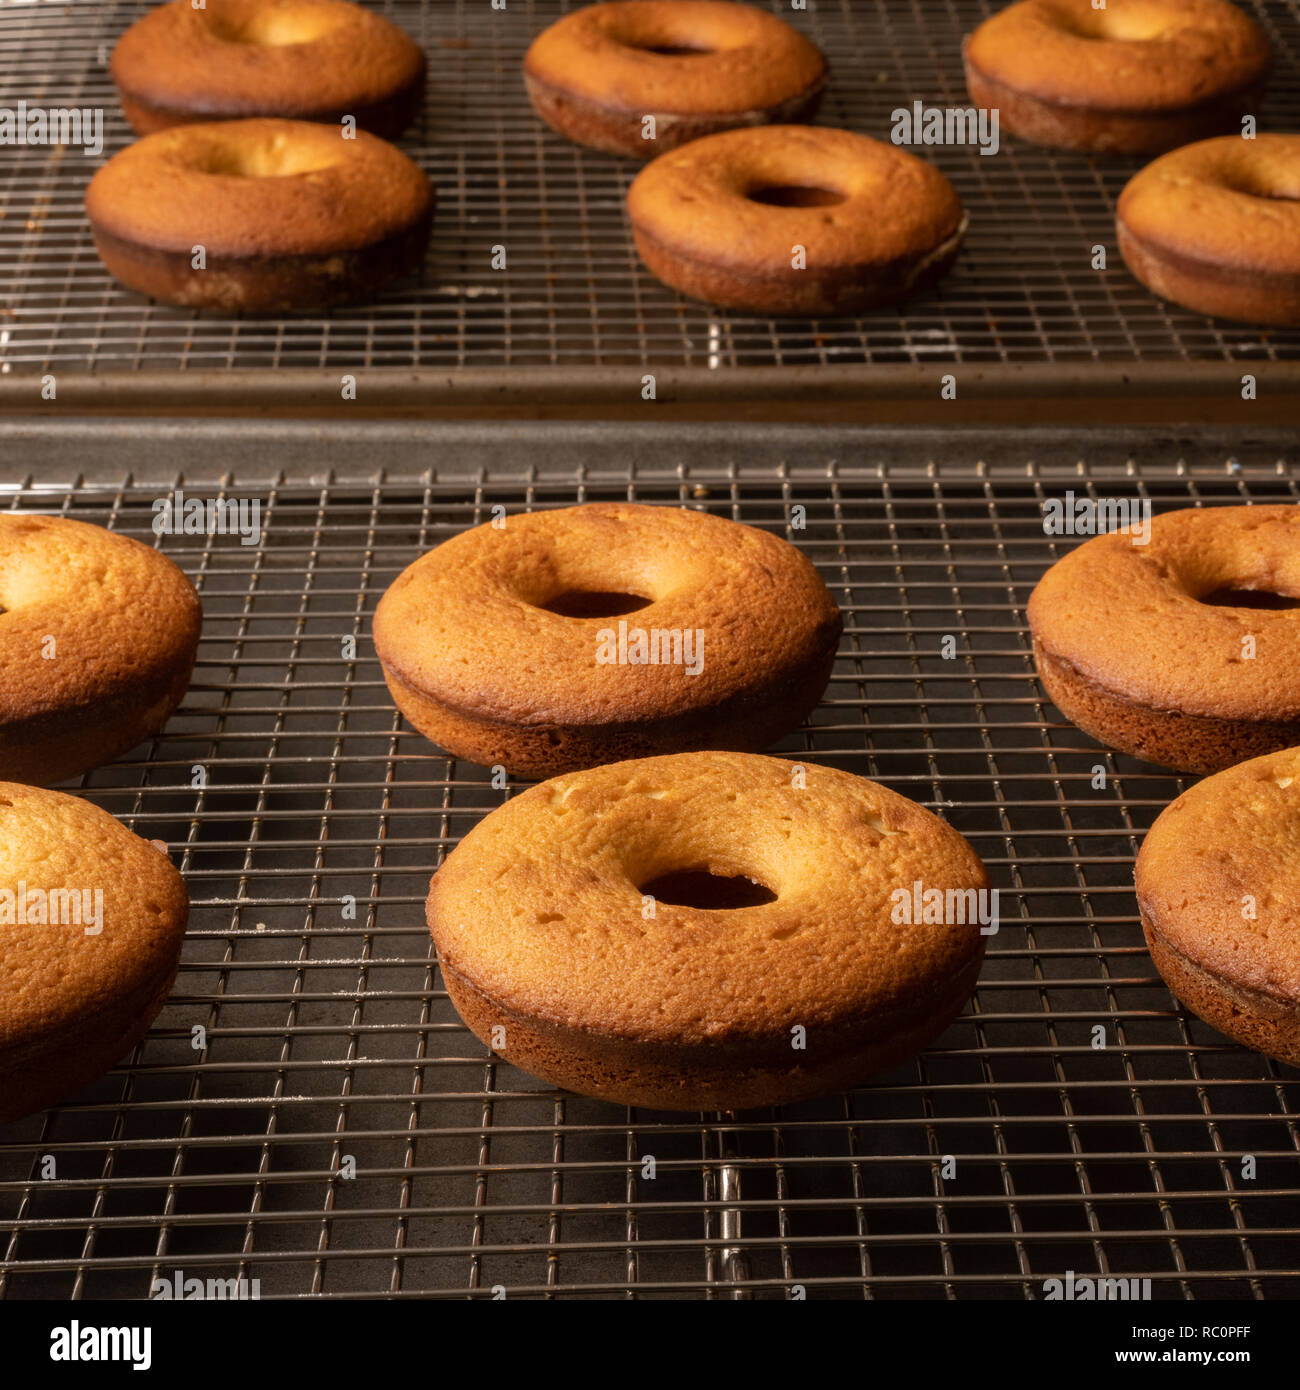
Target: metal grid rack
(575, 295)
(330, 1036)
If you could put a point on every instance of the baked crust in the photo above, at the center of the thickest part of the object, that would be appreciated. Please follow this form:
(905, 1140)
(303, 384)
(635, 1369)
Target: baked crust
(893, 227)
(309, 60)
(1169, 738)
(1215, 227)
(480, 665)
(595, 74)
(539, 921)
(98, 637)
(1137, 77)
(1216, 888)
(289, 214)
(71, 1004)
(1129, 651)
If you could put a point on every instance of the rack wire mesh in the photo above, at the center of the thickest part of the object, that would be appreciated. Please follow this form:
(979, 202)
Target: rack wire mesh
(574, 293)
(335, 1131)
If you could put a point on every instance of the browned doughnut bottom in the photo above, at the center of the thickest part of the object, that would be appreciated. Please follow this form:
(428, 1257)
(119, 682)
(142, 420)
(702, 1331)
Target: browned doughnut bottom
(1065, 126)
(1215, 227)
(1169, 738)
(260, 216)
(306, 60)
(1251, 1017)
(795, 220)
(387, 118)
(1133, 77)
(735, 1076)
(747, 723)
(617, 131)
(265, 284)
(696, 67)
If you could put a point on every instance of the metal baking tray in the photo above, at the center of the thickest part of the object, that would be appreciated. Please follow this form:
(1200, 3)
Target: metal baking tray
(329, 1037)
(576, 317)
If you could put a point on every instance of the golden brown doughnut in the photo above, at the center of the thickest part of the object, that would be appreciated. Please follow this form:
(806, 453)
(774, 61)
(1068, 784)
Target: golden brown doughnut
(288, 215)
(306, 60)
(98, 636)
(1135, 77)
(518, 645)
(795, 220)
(1216, 880)
(1169, 650)
(577, 937)
(1216, 227)
(695, 66)
(91, 924)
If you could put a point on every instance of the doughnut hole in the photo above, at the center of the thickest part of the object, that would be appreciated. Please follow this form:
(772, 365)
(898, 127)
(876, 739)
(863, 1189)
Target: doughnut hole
(1131, 24)
(1256, 183)
(258, 159)
(1241, 596)
(795, 195)
(598, 603)
(265, 27)
(670, 50)
(700, 888)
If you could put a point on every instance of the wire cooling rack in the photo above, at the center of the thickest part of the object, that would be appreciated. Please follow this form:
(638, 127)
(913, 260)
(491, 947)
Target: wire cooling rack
(287, 788)
(574, 294)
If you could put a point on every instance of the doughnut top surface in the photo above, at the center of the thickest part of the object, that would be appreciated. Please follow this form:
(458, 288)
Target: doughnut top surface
(1131, 617)
(541, 908)
(1234, 836)
(467, 623)
(246, 57)
(254, 188)
(119, 615)
(54, 975)
(1134, 55)
(886, 204)
(1226, 202)
(694, 57)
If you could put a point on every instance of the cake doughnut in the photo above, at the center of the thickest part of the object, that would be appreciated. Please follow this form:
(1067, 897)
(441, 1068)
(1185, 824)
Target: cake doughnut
(91, 924)
(795, 220)
(288, 215)
(588, 634)
(98, 636)
(1216, 227)
(1216, 880)
(696, 66)
(1183, 651)
(708, 931)
(306, 60)
(1133, 77)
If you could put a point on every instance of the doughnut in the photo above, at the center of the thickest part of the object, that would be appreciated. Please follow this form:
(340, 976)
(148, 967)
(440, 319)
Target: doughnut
(91, 923)
(289, 215)
(305, 60)
(1216, 880)
(708, 931)
(588, 634)
(1183, 651)
(98, 636)
(795, 220)
(1216, 228)
(696, 66)
(1134, 77)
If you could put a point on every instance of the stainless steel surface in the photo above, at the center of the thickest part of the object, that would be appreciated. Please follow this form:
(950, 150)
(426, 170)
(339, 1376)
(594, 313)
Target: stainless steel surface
(575, 295)
(329, 1036)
